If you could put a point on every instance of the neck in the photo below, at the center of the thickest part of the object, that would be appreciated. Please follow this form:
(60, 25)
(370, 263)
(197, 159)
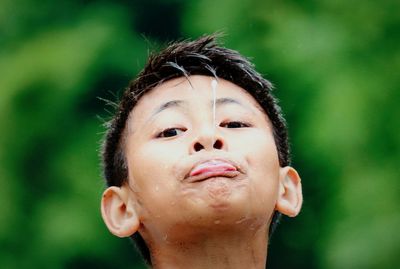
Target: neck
(222, 249)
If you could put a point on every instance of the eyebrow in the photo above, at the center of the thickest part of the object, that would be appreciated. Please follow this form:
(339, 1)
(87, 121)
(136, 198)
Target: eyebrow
(224, 101)
(164, 106)
(227, 100)
(169, 104)
(182, 103)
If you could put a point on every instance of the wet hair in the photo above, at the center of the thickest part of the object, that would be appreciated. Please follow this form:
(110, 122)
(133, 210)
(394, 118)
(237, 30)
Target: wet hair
(203, 56)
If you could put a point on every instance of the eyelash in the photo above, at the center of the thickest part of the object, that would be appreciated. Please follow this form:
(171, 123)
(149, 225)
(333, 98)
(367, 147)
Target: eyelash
(163, 134)
(235, 124)
(232, 124)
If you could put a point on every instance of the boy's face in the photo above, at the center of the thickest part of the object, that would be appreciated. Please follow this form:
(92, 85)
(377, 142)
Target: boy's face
(190, 167)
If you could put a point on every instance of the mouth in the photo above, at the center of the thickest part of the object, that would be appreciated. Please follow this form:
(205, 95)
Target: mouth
(211, 169)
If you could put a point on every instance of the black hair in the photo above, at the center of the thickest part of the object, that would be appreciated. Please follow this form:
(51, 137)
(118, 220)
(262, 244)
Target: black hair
(203, 56)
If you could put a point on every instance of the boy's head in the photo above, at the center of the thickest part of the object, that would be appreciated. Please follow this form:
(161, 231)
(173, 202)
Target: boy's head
(198, 142)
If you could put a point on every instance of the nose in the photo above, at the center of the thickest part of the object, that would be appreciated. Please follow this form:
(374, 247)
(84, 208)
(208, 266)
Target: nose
(208, 141)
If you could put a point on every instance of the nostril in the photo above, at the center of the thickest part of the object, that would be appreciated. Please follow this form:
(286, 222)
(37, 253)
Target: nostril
(218, 144)
(198, 147)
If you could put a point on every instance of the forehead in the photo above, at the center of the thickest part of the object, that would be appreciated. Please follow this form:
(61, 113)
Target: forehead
(195, 89)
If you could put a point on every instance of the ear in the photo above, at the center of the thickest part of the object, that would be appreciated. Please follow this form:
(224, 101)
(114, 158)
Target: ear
(290, 196)
(118, 212)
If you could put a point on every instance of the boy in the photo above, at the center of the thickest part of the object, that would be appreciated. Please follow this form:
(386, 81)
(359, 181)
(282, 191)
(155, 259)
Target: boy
(196, 161)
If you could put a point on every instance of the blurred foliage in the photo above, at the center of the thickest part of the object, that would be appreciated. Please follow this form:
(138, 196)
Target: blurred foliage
(335, 66)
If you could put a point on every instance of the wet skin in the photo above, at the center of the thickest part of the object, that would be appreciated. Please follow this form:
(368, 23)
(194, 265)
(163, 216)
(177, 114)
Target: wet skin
(173, 133)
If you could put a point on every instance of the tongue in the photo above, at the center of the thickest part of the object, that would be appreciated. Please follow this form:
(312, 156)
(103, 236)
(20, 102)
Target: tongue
(212, 166)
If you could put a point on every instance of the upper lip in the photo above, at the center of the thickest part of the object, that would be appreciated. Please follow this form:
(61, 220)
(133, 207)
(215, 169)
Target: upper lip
(208, 168)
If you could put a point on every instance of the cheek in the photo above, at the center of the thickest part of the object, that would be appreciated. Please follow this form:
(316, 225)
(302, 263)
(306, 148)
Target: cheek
(263, 162)
(261, 152)
(151, 171)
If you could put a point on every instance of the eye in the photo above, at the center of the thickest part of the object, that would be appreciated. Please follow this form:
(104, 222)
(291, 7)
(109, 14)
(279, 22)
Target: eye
(234, 124)
(170, 132)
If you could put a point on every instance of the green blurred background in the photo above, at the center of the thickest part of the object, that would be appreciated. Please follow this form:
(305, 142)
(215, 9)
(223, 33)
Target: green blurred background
(335, 65)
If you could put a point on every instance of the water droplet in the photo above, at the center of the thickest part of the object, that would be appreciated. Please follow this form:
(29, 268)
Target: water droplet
(241, 220)
(214, 84)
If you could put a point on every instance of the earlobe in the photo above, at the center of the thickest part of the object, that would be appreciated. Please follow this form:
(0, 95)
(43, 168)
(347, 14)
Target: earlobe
(118, 211)
(290, 196)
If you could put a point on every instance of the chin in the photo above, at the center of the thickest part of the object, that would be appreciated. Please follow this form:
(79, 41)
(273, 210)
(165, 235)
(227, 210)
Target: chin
(217, 193)
(221, 207)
